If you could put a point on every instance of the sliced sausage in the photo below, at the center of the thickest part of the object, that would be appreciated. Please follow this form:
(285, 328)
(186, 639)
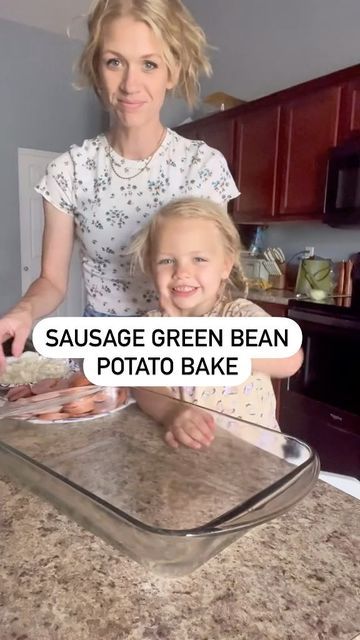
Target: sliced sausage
(44, 386)
(122, 396)
(22, 391)
(53, 415)
(78, 407)
(78, 380)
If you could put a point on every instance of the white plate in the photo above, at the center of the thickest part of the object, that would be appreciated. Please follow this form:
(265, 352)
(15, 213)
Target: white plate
(83, 418)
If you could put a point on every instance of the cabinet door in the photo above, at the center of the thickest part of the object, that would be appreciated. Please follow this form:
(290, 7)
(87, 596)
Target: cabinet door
(218, 134)
(221, 137)
(309, 128)
(257, 142)
(350, 110)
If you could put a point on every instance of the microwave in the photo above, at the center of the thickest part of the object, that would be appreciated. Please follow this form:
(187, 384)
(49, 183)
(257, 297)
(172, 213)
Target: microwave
(342, 193)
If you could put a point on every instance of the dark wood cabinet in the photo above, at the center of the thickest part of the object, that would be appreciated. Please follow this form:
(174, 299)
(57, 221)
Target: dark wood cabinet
(282, 155)
(350, 110)
(309, 129)
(277, 147)
(257, 138)
(218, 133)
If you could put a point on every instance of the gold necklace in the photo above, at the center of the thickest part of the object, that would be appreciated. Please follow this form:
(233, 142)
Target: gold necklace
(113, 161)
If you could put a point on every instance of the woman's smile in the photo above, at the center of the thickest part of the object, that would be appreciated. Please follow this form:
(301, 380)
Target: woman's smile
(133, 73)
(130, 105)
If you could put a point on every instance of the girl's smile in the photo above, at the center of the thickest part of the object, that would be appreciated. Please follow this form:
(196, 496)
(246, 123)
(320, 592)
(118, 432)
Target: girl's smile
(184, 291)
(189, 264)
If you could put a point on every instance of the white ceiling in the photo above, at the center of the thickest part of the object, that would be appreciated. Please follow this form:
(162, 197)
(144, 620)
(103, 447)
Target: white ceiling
(52, 15)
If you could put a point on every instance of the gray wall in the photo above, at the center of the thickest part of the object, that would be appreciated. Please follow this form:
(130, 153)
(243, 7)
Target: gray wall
(268, 45)
(337, 244)
(38, 109)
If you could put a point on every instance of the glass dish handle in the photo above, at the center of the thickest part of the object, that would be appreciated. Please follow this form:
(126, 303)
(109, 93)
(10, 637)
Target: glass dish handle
(271, 502)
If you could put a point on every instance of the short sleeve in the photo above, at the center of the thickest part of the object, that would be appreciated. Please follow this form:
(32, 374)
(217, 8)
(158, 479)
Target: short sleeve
(242, 308)
(57, 185)
(217, 181)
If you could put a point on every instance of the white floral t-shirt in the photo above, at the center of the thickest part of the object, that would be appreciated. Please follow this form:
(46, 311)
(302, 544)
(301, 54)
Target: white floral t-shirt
(109, 210)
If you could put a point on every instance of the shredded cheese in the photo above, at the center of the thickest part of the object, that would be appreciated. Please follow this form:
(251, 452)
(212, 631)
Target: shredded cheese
(30, 367)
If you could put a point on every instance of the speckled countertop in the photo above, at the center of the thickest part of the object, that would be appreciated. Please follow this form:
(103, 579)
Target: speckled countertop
(295, 578)
(280, 296)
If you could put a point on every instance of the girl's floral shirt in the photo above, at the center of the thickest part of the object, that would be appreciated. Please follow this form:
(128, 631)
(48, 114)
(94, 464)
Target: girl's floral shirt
(109, 210)
(252, 400)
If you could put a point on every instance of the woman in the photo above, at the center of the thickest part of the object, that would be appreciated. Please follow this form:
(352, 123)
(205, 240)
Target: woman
(104, 190)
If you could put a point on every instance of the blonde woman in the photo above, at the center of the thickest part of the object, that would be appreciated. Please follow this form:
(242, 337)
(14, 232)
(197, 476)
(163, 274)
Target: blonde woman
(192, 249)
(106, 189)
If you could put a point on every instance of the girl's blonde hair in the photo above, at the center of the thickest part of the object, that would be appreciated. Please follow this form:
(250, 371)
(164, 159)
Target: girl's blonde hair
(187, 208)
(184, 42)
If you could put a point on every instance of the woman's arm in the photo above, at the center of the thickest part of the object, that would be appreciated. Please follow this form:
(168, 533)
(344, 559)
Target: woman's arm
(49, 289)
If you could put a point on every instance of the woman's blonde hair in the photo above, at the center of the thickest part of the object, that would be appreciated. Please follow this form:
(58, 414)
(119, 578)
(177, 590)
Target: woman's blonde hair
(184, 42)
(187, 208)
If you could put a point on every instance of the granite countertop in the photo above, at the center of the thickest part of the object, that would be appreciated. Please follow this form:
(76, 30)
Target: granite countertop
(277, 296)
(294, 578)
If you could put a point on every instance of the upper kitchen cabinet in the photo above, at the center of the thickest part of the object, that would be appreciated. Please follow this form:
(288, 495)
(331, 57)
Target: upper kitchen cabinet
(256, 150)
(278, 146)
(218, 131)
(309, 127)
(350, 110)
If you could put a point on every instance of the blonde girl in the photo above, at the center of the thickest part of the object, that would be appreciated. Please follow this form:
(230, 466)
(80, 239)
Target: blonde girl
(106, 189)
(192, 249)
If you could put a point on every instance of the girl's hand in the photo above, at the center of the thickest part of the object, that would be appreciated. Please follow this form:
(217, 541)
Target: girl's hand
(167, 306)
(190, 426)
(17, 325)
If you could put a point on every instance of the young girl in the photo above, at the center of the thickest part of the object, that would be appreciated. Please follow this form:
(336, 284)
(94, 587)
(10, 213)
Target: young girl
(192, 250)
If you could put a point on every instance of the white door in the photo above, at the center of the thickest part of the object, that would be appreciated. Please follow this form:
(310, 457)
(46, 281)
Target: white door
(32, 165)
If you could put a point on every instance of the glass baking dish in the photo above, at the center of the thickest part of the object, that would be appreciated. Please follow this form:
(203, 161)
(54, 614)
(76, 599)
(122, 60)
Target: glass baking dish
(170, 510)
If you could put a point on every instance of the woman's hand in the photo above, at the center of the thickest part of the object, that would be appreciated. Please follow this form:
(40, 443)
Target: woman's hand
(191, 426)
(48, 291)
(17, 325)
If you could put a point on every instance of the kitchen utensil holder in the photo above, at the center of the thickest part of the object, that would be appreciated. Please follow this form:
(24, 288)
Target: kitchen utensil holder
(278, 281)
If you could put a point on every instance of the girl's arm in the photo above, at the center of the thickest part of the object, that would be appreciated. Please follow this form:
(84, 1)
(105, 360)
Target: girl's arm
(154, 405)
(184, 424)
(49, 289)
(273, 367)
(278, 367)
